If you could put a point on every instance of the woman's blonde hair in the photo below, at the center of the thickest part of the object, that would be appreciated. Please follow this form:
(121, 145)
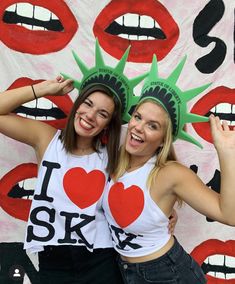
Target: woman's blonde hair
(165, 154)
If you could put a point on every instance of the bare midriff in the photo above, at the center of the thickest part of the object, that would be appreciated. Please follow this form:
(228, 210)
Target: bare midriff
(151, 256)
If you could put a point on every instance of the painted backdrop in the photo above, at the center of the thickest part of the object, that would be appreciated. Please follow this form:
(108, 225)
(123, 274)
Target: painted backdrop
(36, 39)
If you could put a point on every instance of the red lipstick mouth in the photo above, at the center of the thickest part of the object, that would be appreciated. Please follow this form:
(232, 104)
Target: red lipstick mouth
(52, 110)
(17, 189)
(220, 102)
(217, 259)
(149, 29)
(36, 27)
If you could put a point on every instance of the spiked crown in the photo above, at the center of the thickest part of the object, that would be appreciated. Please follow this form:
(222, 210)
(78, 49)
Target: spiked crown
(172, 99)
(113, 78)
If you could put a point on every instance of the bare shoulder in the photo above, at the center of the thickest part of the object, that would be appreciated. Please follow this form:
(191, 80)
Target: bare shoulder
(47, 132)
(173, 168)
(173, 173)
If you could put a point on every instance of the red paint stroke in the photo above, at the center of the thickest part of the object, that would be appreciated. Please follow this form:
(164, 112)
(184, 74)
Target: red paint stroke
(21, 39)
(216, 96)
(62, 102)
(141, 50)
(212, 247)
(16, 207)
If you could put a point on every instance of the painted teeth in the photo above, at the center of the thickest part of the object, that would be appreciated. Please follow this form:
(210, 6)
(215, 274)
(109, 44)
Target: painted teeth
(41, 103)
(136, 20)
(26, 10)
(225, 109)
(225, 262)
(28, 185)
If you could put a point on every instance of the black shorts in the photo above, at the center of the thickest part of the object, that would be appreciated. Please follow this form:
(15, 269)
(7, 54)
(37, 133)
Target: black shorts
(75, 264)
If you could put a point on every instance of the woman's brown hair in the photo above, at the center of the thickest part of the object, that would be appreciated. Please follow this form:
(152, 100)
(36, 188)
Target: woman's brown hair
(68, 135)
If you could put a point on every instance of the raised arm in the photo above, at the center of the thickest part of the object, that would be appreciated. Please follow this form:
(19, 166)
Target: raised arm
(32, 132)
(11, 99)
(224, 141)
(193, 191)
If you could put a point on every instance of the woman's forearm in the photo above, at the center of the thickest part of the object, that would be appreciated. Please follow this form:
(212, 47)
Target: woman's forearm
(227, 188)
(11, 99)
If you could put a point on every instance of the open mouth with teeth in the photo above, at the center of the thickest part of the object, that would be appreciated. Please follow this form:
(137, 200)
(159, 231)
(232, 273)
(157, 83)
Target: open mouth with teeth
(122, 23)
(220, 102)
(24, 189)
(136, 139)
(85, 125)
(136, 27)
(16, 190)
(52, 109)
(220, 267)
(32, 17)
(41, 109)
(225, 111)
(36, 27)
(217, 259)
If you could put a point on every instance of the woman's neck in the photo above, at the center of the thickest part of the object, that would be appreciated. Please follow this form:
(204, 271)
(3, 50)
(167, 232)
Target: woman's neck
(84, 146)
(136, 163)
(83, 151)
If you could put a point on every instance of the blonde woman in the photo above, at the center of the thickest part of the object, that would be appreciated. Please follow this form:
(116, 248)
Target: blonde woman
(149, 181)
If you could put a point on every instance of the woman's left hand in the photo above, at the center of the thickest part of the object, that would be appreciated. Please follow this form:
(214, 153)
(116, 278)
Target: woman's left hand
(55, 87)
(223, 135)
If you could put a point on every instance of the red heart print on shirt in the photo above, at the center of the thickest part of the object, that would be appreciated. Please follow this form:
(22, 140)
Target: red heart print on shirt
(82, 188)
(126, 204)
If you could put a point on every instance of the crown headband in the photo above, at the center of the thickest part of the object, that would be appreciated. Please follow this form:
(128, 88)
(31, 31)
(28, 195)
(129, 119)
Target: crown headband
(173, 100)
(113, 78)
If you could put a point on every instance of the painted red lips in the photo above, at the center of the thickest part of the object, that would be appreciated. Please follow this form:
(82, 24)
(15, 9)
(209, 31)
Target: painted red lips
(13, 203)
(56, 115)
(212, 248)
(210, 104)
(164, 31)
(37, 35)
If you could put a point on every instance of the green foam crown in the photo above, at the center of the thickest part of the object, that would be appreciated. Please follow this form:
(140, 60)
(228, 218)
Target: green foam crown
(173, 100)
(113, 78)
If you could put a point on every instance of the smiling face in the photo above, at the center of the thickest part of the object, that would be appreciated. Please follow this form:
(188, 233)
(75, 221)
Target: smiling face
(146, 130)
(93, 115)
(36, 46)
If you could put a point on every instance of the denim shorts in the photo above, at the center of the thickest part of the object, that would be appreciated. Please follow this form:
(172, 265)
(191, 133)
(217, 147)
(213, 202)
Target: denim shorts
(174, 267)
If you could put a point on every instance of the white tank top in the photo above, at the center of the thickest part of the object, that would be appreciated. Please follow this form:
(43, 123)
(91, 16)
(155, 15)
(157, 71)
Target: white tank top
(66, 208)
(138, 226)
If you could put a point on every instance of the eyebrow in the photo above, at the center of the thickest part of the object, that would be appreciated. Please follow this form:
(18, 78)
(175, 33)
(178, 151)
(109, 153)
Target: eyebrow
(101, 110)
(151, 121)
(105, 111)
